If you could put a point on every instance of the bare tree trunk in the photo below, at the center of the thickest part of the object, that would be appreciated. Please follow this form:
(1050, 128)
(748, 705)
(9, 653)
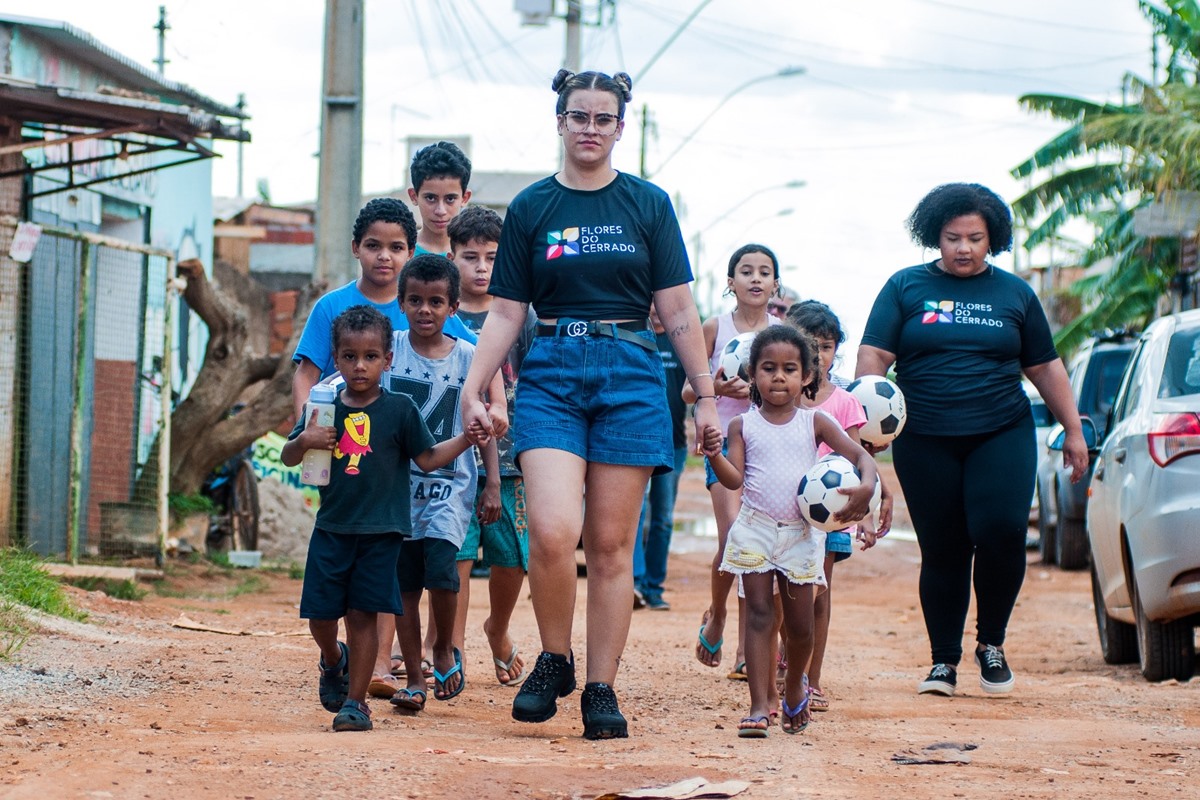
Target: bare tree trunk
(237, 313)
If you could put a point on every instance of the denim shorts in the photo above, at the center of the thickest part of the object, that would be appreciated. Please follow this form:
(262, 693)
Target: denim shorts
(505, 542)
(710, 477)
(350, 571)
(599, 398)
(427, 563)
(840, 544)
(758, 543)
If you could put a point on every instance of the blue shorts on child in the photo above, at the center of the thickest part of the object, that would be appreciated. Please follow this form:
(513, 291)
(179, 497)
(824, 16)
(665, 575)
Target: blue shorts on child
(350, 571)
(427, 563)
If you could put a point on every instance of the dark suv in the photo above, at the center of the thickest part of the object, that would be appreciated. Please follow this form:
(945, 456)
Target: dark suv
(1095, 373)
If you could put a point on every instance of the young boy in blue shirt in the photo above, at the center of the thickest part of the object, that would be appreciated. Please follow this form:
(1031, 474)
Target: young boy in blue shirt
(382, 242)
(430, 367)
(364, 514)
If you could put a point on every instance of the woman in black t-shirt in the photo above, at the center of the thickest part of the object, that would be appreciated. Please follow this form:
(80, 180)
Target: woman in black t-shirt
(588, 248)
(961, 334)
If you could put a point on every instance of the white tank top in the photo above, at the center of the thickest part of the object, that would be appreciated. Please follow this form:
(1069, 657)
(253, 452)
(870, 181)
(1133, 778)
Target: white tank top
(777, 456)
(728, 407)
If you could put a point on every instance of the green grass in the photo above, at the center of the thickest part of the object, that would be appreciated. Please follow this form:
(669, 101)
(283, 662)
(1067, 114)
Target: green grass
(23, 583)
(122, 590)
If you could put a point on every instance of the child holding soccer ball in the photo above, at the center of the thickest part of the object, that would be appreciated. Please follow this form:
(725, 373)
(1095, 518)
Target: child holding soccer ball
(753, 278)
(818, 321)
(770, 447)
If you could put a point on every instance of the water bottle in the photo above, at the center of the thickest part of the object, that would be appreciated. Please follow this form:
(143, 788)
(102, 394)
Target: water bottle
(314, 469)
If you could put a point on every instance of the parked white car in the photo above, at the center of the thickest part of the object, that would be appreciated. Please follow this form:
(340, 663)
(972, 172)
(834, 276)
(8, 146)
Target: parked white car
(1143, 517)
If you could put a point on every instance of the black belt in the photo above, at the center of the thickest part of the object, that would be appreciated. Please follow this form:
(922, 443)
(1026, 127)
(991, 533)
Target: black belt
(626, 331)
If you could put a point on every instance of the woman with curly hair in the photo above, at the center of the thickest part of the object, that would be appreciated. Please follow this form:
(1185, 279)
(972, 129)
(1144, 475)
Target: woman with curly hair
(960, 334)
(589, 249)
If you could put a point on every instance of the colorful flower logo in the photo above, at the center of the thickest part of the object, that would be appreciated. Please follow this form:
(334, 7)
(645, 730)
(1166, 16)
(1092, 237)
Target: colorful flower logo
(938, 311)
(562, 243)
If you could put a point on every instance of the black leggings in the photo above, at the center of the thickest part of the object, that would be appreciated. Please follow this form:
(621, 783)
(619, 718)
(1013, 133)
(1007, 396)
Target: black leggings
(969, 498)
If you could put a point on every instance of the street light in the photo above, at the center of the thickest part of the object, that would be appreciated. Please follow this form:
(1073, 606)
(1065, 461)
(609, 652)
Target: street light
(786, 72)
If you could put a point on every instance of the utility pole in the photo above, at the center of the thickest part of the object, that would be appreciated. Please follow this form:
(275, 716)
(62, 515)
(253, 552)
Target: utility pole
(339, 182)
(573, 54)
(647, 122)
(162, 27)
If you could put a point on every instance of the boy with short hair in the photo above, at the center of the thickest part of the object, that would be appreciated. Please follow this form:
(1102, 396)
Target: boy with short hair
(382, 241)
(439, 175)
(474, 237)
(430, 367)
(364, 514)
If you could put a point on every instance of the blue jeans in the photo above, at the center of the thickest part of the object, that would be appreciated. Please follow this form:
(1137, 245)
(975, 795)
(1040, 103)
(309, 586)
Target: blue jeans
(653, 542)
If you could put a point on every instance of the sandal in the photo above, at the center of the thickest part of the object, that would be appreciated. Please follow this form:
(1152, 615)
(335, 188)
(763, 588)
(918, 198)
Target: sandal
(335, 682)
(410, 699)
(398, 670)
(505, 668)
(754, 727)
(713, 650)
(353, 716)
(439, 679)
(383, 686)
(817, 700)
(800, 712)
(738, 673)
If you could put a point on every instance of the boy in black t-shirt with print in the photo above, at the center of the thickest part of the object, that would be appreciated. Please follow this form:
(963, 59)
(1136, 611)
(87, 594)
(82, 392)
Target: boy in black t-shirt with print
(364, 514)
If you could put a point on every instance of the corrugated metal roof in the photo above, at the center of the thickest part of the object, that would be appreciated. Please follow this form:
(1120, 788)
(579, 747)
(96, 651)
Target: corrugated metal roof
(85, 47)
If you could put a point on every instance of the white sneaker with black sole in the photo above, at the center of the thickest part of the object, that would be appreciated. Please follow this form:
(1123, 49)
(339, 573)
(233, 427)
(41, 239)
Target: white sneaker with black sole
(994, 675)
(942, 679)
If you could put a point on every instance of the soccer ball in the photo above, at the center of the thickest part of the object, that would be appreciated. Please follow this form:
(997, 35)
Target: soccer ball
(735, 358)
(818, 492)
(883, 404)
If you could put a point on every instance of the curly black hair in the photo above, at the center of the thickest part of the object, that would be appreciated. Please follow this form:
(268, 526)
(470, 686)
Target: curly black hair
(816, 319)
(440, 160)
(429, 268)
(951, 200)
(385, 209)
(474, 222)
(620, 85)
(810, 360)
(357, 319)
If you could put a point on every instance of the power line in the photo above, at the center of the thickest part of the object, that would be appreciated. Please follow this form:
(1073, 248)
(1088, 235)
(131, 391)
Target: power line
(1027, 20)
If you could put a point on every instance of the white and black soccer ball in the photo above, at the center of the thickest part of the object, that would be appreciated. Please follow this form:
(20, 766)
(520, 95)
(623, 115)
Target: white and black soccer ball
(818, 493)
(883, 404)
(735, 356)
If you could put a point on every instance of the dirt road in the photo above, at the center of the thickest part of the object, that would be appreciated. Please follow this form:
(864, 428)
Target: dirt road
(126, 705)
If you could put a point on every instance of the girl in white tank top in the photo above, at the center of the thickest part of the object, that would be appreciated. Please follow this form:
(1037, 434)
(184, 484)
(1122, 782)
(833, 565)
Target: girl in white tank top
(770, 448)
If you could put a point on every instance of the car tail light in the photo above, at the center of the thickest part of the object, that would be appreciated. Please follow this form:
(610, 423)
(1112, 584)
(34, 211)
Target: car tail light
(1174, 435)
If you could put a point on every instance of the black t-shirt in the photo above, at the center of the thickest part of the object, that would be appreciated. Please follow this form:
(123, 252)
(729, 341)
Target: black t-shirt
(596, 254)
(673, 371)
(960, 345)
(368, 480)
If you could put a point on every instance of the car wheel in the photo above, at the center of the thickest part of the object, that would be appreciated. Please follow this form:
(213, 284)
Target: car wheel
(1070, 543)
(1045, 530)
(1165, 650)
(1118, 640)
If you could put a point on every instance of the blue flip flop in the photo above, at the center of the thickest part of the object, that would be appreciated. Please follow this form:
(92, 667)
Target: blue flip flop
(793, 714)
(439, 679)
(713, 649)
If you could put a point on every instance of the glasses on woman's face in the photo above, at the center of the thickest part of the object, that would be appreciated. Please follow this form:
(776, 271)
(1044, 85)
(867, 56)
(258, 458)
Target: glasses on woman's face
(578, 122)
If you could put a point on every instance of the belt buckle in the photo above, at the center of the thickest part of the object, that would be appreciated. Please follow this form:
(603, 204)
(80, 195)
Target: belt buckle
(576, 328)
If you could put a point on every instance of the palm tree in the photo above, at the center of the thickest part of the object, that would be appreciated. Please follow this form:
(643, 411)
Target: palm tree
(1112, 160)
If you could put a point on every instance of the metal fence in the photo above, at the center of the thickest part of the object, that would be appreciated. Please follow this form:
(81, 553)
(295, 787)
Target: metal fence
(91, 398)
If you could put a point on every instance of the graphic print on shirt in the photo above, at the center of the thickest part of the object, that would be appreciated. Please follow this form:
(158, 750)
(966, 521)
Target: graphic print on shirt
(439, 414)
(355, 441)
(584, 239)
(953, 312)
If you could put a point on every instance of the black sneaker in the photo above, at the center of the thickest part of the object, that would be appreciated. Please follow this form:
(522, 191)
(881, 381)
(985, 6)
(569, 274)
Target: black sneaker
(553, 677)
(994, 675)
(942, 679)
(602, 718)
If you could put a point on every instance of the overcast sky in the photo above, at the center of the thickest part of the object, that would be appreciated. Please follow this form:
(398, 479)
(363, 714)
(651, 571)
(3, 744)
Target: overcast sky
(898, 96)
